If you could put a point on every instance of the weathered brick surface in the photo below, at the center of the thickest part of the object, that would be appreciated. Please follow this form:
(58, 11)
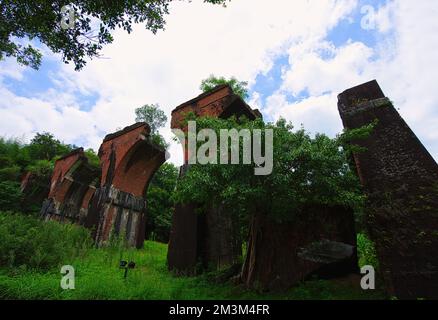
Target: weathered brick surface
(70, 186)
(209, 239)
(401, 180)
(183, 253)
(129, 160)
(220, 246)
(276, 258)
(221, 102)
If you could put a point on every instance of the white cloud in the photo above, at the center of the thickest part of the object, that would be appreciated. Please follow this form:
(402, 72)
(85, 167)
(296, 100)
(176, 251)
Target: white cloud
(403, 62)
(317, 114)
(311, 72)
(240, 40)
(10, 69)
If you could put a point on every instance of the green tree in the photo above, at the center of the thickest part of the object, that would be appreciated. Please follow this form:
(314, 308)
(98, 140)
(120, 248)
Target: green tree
(305, 171)
(156, 119)
(44, 146)
(17, 158)
(93, 158)
(93, 21)
(152, 115)
(10, 196)
(13, 152)
(160, 203)
(239, 87)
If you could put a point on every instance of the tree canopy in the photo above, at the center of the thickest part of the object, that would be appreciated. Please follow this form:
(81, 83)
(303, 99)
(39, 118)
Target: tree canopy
(160, 202)
(239, 87)
(306, 170)
(155, 118)
(85, 36)
(152, 115)
(44, 146)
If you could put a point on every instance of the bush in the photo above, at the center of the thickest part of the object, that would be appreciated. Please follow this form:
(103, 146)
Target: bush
(10, 195)
(30, 243)
(366, 251)
(12, 173)
(41, 167)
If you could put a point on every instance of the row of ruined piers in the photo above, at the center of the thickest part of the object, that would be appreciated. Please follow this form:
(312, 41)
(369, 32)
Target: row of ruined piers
(398, 174)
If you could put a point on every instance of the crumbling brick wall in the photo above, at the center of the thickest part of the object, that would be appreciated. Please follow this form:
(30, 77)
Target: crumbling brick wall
(321, 241)
(400, 178)
(70, 186)
(35, 189)
(220, 102)
(210, 238)
(129, 160)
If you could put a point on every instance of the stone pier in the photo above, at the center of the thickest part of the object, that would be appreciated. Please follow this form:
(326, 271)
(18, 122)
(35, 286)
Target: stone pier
(207, 239)
(400, 178)
(71, 188)
(129, 160)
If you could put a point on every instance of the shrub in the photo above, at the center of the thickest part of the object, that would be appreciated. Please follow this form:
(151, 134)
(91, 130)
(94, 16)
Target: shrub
(30, 243)
(366, 251)
(41, 167)
(10, 195)
(10, 173)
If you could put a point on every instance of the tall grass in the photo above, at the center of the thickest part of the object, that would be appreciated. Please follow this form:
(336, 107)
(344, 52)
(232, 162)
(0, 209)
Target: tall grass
(98, 276)
(29, 243)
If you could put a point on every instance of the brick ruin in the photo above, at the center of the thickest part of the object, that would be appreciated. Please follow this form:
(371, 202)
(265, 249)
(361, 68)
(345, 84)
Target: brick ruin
(128, 160)
(110, 201)
(209, 238)
(400, 178)
(71, 188)
(321, 241)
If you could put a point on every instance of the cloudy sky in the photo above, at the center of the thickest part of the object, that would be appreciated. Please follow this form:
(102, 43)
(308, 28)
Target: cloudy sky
(297, 55)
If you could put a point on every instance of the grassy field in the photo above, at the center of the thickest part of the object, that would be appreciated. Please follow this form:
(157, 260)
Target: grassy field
(99, 277)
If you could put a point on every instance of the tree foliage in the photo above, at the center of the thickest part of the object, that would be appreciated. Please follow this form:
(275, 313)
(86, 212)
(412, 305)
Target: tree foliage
(239, 87)
(156, 119)
(160, 202)
(93, 158)
(152, 115)
(38, 157)
(94, 20)
(10, 195)
(306, 170)
(44, 146)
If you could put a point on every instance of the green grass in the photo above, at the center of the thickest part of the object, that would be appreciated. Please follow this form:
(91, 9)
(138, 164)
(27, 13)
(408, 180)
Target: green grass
(99, 277)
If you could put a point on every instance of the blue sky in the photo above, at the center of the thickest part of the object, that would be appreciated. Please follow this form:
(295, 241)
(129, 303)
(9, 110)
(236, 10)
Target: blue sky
(297, 56)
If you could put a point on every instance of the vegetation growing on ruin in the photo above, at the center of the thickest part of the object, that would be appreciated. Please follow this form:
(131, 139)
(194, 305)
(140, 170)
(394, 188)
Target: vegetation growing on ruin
(239, 87)
(306, 170)
(38, 157)
(156, 119)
